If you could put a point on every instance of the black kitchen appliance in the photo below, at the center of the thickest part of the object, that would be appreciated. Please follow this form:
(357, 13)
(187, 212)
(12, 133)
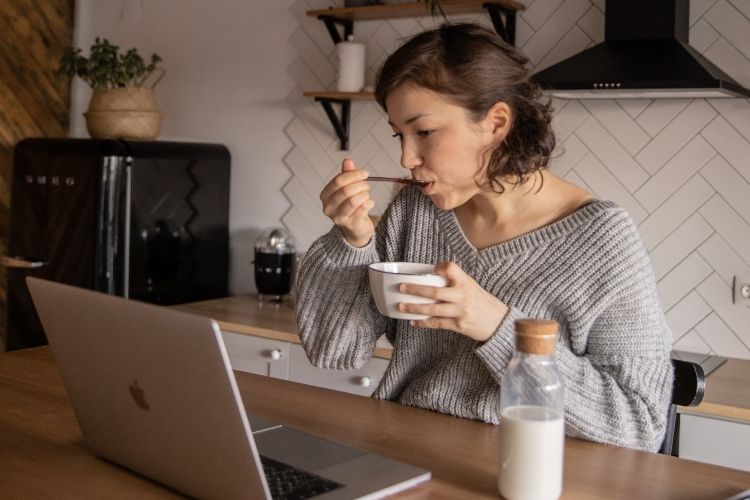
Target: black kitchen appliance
(275, 264)
(144, 220)
(645, 54)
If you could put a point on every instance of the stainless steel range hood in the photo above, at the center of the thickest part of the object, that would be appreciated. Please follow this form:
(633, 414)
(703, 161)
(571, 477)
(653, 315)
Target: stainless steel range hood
(645, 54)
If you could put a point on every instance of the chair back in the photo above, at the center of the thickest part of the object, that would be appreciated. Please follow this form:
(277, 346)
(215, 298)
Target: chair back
(687, 390)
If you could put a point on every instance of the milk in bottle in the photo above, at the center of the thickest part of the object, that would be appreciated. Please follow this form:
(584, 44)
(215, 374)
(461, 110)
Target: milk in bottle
(532, 426)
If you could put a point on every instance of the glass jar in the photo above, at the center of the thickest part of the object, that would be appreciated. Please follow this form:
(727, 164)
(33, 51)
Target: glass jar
(532, 423)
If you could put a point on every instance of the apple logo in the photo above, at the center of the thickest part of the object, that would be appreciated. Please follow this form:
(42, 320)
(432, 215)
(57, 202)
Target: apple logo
(137, 393)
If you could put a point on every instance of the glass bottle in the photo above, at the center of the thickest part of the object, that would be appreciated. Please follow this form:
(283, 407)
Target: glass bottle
(532, 423)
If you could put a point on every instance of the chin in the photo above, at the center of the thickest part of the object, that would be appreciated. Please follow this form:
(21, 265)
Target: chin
(442, 203)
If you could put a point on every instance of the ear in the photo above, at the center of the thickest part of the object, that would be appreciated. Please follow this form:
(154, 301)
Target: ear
(498, 120)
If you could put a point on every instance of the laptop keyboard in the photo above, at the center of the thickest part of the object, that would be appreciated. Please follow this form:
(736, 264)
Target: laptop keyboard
(289, 483)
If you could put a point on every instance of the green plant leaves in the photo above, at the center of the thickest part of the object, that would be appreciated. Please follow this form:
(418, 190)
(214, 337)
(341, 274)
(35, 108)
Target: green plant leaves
(106, 67)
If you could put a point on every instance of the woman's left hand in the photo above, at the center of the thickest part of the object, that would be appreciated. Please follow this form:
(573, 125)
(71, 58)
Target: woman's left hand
(463, 306)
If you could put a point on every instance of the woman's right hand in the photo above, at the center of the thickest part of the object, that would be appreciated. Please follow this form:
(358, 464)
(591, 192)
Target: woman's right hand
(347, 202)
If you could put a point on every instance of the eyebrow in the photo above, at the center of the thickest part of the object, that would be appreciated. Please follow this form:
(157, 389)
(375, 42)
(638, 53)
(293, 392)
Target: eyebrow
(410, 120)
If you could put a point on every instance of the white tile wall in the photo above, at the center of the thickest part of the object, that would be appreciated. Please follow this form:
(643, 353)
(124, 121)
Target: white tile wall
(723, 340)
(605, 146)
(686, 314)
(685, 200)
(729, 143)
(732, 25)
(692, 342)
(722, 259)
(634, 107)
(679, 244)
(659, 113)
(736, 112)
(684, 165)
(675, 136)
(681, 167)
(618, 123)
(681, 280)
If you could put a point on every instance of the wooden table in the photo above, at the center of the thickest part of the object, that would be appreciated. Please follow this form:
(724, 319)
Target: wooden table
(42, 453)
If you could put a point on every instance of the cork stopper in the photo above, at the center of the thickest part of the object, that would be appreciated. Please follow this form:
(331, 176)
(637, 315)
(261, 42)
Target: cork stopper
(536, 336)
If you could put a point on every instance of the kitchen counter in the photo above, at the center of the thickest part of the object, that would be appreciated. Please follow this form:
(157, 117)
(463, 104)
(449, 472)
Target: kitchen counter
(727, 394)
(43, 454)
(248, 315)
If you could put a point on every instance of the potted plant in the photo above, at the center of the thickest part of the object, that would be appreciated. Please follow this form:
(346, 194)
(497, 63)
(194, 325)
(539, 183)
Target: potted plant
(121, 105)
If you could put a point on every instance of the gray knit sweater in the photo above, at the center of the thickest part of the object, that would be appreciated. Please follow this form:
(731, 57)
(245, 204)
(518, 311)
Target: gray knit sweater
(588, 271)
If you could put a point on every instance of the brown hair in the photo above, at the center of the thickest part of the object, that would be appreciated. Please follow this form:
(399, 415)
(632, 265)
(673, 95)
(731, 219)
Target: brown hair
(475, 69)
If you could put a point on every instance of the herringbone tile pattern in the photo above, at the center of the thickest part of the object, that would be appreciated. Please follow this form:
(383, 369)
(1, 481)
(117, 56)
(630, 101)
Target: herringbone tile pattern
(681, 167)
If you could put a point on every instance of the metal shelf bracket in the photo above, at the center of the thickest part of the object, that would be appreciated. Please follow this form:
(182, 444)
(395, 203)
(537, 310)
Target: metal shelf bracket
(340, 124)
(332, 21)
(505, 28)
(503, 20)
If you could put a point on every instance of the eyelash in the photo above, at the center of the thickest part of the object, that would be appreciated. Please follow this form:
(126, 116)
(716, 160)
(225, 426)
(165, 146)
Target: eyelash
(421, 133)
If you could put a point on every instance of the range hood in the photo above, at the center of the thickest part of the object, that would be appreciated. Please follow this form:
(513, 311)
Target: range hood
(645, 54)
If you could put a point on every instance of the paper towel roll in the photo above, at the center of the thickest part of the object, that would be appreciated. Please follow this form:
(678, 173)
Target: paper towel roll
(351, 66)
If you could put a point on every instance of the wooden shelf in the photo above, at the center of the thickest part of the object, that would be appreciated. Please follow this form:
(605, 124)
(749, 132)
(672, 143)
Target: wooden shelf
(349, 96)
(501, 12)
(414, 9)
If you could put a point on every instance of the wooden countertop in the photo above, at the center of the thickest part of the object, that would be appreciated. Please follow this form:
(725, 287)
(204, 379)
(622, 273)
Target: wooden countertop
(248, 315)
(727, 394)
(43, 454)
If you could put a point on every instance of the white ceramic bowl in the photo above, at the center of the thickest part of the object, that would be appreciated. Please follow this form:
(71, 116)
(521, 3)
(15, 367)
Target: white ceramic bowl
(385, 278)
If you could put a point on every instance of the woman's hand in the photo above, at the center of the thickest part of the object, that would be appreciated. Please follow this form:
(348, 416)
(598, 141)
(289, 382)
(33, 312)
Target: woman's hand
(463, 306)
(346, 201)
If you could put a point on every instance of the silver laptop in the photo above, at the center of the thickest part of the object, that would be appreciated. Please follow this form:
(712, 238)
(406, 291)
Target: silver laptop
(153, 390)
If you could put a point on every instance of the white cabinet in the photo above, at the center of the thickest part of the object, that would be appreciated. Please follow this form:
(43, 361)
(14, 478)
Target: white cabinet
(715, 441)
(257, 355)
(361, 382)
(280, 359)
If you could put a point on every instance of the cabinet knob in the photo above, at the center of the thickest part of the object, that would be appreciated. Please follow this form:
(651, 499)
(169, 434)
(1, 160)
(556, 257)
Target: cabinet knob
(275, 354)
(365, 381)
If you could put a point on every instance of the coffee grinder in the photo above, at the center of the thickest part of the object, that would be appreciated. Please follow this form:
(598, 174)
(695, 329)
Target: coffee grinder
(275, 256)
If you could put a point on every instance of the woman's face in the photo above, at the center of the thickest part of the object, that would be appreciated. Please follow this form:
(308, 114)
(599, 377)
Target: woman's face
(440, 144)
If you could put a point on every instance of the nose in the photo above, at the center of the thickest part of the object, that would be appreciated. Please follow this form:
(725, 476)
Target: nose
(410, 155)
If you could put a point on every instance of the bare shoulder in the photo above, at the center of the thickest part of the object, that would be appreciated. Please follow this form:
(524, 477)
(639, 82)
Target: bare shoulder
(568, 197)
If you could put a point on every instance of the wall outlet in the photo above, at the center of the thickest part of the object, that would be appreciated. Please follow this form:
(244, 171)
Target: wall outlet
(741, 290)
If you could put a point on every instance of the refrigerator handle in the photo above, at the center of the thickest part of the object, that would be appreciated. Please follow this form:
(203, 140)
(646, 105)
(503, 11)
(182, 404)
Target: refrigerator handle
(19, 263)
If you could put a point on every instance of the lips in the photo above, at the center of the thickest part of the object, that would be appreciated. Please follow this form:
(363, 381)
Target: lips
(427, 188)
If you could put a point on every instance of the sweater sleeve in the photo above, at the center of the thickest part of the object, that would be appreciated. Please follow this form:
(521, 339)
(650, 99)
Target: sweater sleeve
(337, 319)
(618, 389)
(615, 357)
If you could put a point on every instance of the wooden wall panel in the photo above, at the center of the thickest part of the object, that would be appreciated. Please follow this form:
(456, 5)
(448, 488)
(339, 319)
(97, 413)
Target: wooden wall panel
(34, 99)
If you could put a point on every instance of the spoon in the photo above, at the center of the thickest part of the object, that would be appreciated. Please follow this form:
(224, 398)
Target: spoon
(411, 182)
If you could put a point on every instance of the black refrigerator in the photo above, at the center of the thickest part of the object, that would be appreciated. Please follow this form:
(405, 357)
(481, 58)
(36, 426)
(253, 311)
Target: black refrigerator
(144, 220)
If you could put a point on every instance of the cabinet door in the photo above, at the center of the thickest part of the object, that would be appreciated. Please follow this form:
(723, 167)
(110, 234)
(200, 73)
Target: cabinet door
(257, 355)
(715, 441)
(361, 382)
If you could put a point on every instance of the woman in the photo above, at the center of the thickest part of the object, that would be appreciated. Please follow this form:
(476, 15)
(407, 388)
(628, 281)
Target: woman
(513, 241)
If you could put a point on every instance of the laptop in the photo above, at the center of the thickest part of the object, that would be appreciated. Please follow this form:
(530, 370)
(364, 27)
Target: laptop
(153, 391)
